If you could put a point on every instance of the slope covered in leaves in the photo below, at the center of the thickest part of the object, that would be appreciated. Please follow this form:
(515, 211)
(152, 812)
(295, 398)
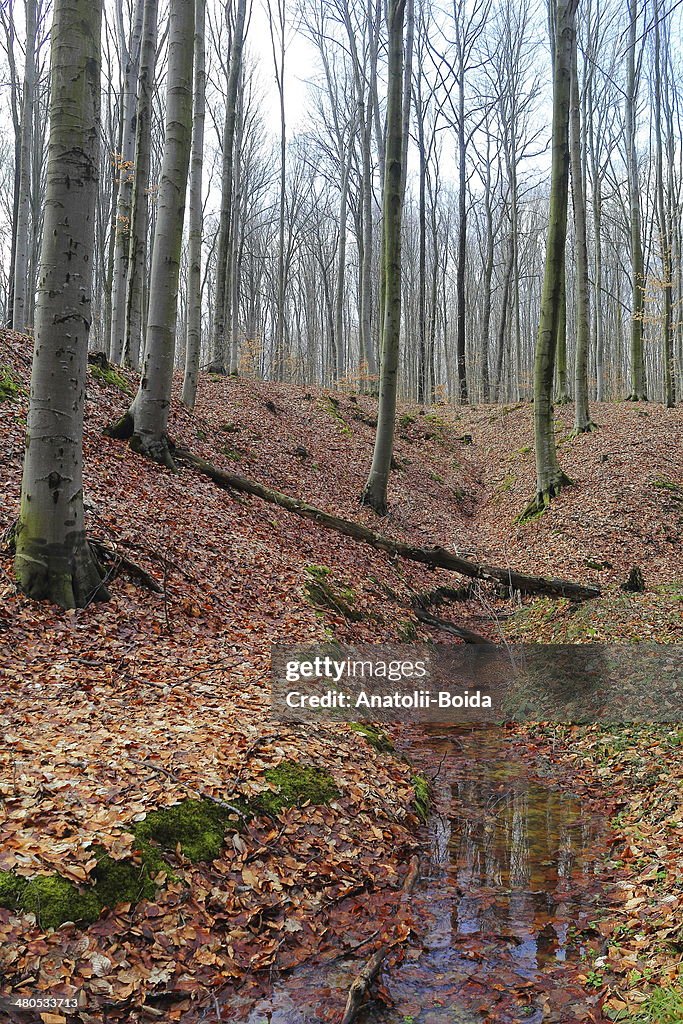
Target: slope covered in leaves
(117, 710)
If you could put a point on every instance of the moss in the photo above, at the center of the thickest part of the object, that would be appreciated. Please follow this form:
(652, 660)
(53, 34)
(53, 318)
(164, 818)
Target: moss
(323, 594)
(296, 784)
(122, 881)
(9, 389)
(406, 420)
(406, 630)
(422, 799)
(378, 740)
(11, 889)
(662, 484)
(112, 378)
(436, 477)
(331, 407)
(197, 826)
(54, 900)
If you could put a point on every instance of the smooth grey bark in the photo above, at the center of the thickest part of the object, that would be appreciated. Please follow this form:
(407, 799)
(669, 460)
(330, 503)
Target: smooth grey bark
(139, 218)
(582, 419)
(194, 257)
(125, 161)
(236, 243)
(638, 390)
(20, 305)
(146, 421)
(221, 313)
(375, 492)
(549, 477)
(53, 558)
(663, 218)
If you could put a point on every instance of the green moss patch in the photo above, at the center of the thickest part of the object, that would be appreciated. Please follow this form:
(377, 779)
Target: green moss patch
(378, 740)
(111, 377)
(296, 784)
(9, 389)
(422, 799)
(323, 594)
(330, 405)
(197, 826)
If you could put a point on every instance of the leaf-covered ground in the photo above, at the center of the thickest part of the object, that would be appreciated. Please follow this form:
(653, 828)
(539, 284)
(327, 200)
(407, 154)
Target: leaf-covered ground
(118, 710)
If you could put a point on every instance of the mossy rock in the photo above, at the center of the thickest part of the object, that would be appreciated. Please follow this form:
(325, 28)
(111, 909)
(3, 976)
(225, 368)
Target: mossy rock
(422, 799)
(9, 389)
(331, 407)
(323, 594)
(112, 378)
(197, 826)
(296, 784)
(378, 740)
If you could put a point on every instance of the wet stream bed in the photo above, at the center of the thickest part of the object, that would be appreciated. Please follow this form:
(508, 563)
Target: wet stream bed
(506, 890)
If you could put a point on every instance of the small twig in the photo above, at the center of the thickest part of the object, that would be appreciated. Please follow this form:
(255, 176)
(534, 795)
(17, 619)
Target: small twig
(370, 970)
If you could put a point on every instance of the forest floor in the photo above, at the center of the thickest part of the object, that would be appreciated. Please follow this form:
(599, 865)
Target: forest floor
(111, 713)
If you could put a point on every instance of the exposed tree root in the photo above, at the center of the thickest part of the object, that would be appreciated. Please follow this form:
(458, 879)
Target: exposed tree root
(157, 449)
(370, 970)
(111, 557)
(587, 428)
(542, 499)
(435, 556)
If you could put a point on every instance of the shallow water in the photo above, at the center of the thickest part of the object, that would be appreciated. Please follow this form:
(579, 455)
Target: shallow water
(495, 914)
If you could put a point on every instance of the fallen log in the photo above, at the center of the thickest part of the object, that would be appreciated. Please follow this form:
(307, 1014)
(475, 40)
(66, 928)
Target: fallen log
(450, 627)
(367, 974)
(435, 556)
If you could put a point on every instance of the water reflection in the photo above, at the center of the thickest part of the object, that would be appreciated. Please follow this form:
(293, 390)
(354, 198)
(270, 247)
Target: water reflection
(497, 903)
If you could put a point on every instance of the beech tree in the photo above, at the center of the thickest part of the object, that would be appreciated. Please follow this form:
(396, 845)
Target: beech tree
(375, 492)
(146, 421)
(549, 477)
(194, 273)
(53, 557)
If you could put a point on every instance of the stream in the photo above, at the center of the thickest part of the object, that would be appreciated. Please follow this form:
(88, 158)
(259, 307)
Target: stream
(505, 888)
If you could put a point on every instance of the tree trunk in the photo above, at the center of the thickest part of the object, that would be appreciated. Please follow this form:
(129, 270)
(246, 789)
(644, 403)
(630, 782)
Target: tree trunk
(125, 160)
(194, 272)
(462, 241)
(582, 419)
(549, 476)
(638, 384)
(221, 314)
(664, 226)
(139, 220)
(53, 558)
(20, 305)
(375, 492)
(146, 421)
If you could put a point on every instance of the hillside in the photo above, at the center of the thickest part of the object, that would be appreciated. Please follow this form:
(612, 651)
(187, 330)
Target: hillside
(115, 711)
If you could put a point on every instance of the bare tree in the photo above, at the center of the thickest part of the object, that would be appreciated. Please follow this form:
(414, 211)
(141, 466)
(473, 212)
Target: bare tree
(53, 558)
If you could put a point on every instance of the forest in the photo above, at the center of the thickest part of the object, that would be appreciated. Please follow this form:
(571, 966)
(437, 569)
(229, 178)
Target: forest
(342, 504)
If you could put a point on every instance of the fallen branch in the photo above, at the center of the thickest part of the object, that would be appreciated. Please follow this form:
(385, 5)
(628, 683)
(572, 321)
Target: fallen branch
(435, 556)
(370, 970)
(449, 627)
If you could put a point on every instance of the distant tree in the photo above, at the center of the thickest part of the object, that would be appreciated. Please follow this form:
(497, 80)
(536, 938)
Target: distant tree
(139, 212)
(582, 419)
(53, 558)
(146, 421)
(129, 49)
(638, 390)
(21, 250)
(194, 270)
